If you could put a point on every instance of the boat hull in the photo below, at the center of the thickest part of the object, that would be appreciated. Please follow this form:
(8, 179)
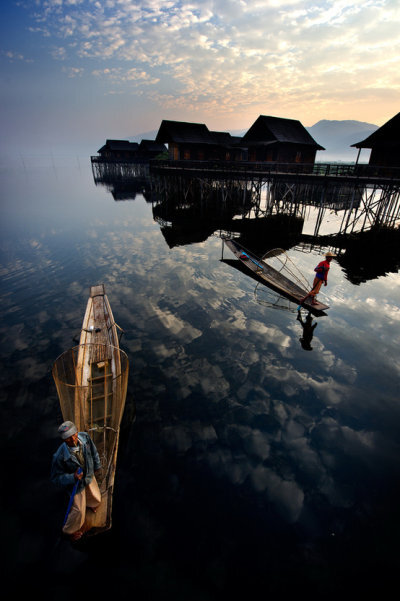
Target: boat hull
(273, 278)
(91, 382)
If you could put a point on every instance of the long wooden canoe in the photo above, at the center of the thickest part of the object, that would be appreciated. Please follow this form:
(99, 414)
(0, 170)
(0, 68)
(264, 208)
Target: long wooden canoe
(265, 273)
(91, 382)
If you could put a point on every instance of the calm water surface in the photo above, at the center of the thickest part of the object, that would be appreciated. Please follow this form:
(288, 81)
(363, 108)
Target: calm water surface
(246, 462)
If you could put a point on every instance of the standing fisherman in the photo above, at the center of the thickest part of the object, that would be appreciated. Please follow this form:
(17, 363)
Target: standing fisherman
(321, 277)
(76, 461)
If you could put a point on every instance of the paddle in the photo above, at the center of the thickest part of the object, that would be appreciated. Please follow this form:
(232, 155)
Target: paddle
(71, 499)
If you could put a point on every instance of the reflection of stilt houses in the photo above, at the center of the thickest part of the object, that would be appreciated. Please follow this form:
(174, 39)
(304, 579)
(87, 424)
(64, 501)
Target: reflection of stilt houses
(124, 180)
(191, 212)
(360, 264)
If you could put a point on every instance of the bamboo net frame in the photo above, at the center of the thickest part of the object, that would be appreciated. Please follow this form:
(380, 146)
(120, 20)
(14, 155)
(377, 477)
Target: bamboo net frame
(91, 382)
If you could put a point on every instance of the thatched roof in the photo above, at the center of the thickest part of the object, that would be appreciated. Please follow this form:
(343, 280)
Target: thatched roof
(271, 130)
(387, 136)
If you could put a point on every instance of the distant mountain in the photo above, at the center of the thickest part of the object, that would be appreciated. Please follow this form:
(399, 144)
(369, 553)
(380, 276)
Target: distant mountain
(335, 136)
(338, 136)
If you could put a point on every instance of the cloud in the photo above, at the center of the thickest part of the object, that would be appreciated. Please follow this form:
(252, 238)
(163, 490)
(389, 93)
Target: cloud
(285, 494)
(178, 328)
(224, 56)
(16, 56)
(73, 71)
(119, 75)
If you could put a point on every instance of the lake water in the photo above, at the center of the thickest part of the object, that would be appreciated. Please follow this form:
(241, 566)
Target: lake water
(248, 466)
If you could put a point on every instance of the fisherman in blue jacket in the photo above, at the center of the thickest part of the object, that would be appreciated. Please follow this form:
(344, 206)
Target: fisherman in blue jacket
(77, 451)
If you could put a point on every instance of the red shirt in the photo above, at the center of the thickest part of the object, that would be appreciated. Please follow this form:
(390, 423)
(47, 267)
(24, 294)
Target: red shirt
(322, 270)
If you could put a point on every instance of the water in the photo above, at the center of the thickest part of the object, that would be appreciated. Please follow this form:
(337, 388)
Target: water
(246, 463)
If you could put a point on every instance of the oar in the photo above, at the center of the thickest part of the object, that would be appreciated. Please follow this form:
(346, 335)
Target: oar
(71, 499)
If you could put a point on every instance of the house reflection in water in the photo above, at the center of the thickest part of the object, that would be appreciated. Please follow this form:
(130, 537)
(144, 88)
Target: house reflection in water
(190, 209)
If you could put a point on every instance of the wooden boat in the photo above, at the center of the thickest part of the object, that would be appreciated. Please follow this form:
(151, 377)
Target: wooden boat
(91, 381)
(262, 271)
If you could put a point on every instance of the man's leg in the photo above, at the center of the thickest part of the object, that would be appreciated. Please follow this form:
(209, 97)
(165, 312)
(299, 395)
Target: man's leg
(76, 517)
(93, 495)
(316, 288)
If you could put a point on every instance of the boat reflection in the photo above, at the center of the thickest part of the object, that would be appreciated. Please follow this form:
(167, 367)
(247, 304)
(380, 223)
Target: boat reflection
(269, 298)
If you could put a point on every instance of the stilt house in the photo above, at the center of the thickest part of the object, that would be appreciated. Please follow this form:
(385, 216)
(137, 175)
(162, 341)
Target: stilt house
(274, 139)
(150, 149)
(119, 149)
(384, 144)
(195, 142)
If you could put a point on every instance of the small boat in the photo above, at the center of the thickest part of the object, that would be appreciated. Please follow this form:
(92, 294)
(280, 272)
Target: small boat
(259, 269)
(91, 381)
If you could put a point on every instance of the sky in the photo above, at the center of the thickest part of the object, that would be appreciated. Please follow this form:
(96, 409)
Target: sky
(76, 72)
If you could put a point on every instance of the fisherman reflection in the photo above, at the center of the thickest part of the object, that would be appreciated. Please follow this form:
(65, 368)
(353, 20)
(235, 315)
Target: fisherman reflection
(308, 330)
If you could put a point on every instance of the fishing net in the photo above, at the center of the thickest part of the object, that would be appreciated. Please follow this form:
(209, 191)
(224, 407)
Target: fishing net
(282, 263)
(91, 382)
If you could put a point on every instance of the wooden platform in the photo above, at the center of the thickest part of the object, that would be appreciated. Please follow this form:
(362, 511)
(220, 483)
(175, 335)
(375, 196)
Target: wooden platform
(272, 278)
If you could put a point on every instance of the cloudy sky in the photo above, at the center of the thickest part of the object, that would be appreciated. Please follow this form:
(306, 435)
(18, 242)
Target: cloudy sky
(79, 71)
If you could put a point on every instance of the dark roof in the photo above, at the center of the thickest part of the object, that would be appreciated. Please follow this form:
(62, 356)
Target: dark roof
(152, 145)
(222, 138)
(119, 145)
(182, 132)
(268, 130)
(387, 136)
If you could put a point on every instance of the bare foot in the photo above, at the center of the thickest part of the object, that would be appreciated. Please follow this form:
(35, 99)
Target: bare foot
(76, 535)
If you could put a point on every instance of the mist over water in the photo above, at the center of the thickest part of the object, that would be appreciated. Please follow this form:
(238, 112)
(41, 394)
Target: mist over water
(245, 462)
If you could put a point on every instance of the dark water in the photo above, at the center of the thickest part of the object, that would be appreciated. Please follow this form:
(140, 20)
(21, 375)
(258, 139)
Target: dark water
(248, 466)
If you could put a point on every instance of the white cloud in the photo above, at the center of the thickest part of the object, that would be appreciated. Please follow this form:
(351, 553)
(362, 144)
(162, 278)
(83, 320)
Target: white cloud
(73, 71)
(285, 494)
(16, 56)
(224, 56)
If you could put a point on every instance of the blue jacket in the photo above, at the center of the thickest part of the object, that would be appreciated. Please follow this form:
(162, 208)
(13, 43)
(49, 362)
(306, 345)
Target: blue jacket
(65, 464)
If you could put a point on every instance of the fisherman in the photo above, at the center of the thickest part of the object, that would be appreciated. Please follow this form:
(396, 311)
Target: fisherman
(76, 461)
(321, 277)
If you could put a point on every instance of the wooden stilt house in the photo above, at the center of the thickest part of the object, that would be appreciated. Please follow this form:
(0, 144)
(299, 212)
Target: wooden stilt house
(150, 149)
(119, 149)
(195, 142)
(384, 144)
(274, 139)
